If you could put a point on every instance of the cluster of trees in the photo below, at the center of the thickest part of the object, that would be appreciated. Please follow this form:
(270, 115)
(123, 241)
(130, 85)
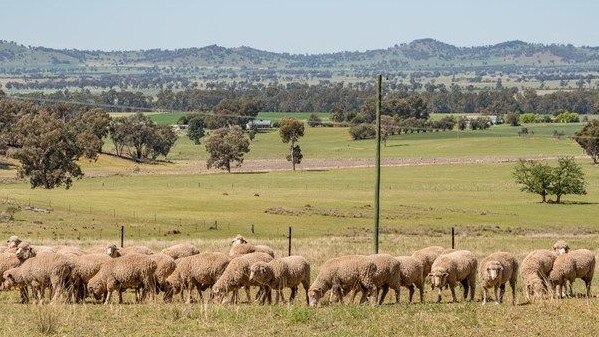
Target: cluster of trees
(49, 140)
(545, 180)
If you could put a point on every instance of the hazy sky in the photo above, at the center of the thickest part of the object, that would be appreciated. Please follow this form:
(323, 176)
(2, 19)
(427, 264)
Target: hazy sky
(302, 26)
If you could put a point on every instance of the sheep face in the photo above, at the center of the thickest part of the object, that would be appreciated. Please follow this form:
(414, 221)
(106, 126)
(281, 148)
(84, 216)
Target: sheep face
(112, 251)
(438, 278)
(24, 252)
(13, 241)
(561, 247)
(259, 273)
(96, 288)
(238, 240)
(9, 281)
(314, 295)
(218, 295)
(493, 270)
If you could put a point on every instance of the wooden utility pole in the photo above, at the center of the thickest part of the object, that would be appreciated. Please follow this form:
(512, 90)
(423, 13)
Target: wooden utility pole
(377, 184)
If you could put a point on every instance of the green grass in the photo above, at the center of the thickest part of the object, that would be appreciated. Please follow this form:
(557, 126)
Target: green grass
(335, 143)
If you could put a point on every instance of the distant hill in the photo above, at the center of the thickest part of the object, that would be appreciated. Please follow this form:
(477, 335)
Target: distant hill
(418, 54)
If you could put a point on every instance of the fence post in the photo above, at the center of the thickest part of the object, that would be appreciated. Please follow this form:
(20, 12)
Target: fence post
(452, 238)
(289, 243)
(122, 236)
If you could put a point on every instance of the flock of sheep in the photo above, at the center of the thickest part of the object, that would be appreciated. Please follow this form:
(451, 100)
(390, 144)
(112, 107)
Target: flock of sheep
(70, 274)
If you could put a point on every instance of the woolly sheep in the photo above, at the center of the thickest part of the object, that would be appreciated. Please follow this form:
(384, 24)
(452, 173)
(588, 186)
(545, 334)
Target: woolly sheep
(535, 269)
(165, 265)
(285, 272)
(13, 242)
(236, 275)
(411, 275)
(180, 250)
(41, 272)
(561, 247)
(130, 271)
(495, 271)
(427, 256)
(113, 251)
(9, 260)
(240, 246)
(449, 269)
(199, 271)
(579, 263)
(345, 272)
(85, 267)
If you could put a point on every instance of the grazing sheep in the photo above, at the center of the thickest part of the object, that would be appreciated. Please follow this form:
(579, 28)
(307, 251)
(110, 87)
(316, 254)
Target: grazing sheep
(237, 275)
(180, 250)
(561, 247)
(130, 271)
(41, 272)
(84, 268)
(411, 274)
(579, 263)
(427, 256)
(535, 269)
(240, 246)
(345, 272)
(495, 271)
(199, 271)
(281, 273)
(165, 265)
(113, 251)
(9, 260)
(449, 269)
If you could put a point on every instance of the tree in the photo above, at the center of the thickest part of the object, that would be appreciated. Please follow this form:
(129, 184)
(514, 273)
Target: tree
(568, 178)
(362, 131)
(314, 120)
(535, 177)
(291, 130)
(389, 127)
(233, 111)
(195, 129)
(588, 139)
(512, 119)
(226, 146)
(141, 137)
(48, 151)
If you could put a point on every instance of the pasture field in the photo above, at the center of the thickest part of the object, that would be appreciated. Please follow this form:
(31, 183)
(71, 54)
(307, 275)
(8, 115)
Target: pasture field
(330, 213)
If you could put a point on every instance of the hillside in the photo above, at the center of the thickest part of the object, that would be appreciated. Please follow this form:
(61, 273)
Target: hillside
(418, 54)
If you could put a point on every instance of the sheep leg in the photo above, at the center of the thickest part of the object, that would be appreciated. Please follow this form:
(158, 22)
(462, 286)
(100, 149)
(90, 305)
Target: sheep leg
(421, 290)
(439, 294)
(587, 284)
(465, 287)
(485, 295)
(384, 293)
(501, 292)
(108, 295)
(293, 294)
(24, 295)
(496, 290)
(513, 286)
(397, 294)
(247, 294)
(571, 290)
(411, 292)
(453, 297)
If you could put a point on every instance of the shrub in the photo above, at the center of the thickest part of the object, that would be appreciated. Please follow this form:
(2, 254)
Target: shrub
(528, 118)
(362, 131)
(567, 117)
(314, 120)
(512, 119)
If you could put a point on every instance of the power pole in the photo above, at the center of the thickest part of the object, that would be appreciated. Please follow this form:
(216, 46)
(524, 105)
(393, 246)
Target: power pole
(377, 184)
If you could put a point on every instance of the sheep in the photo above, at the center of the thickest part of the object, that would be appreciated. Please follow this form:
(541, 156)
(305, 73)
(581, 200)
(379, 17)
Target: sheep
(347, 272)
(199, 271)
(561, 247)
(84, 268)
(128, 271)
(113, 251)
(40, 272)
(236, 275)
(411, 274)
(579, 263)
(240, 246)
(180, 250)
(495, 271)
(9, 260)
(13, 242)
(535, 269)
(427, 256)
(285, 272)
(385, 277)
(165, 265)
(448, 269)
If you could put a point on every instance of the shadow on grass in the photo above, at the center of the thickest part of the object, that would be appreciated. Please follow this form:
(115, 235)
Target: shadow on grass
(578, 203)
(250, 172)
(396, 145)
(7, 166)
(316, 170)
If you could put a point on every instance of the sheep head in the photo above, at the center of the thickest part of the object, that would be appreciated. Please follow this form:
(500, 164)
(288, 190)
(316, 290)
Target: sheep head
(9, 280)
(97, 288)
(13, 241)
(493, 270)
(112, 250)
(260, 273)
(25, 251)
(314, 295)
(438, 278)
(218, 294)
(561, 247)
(238, 240)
